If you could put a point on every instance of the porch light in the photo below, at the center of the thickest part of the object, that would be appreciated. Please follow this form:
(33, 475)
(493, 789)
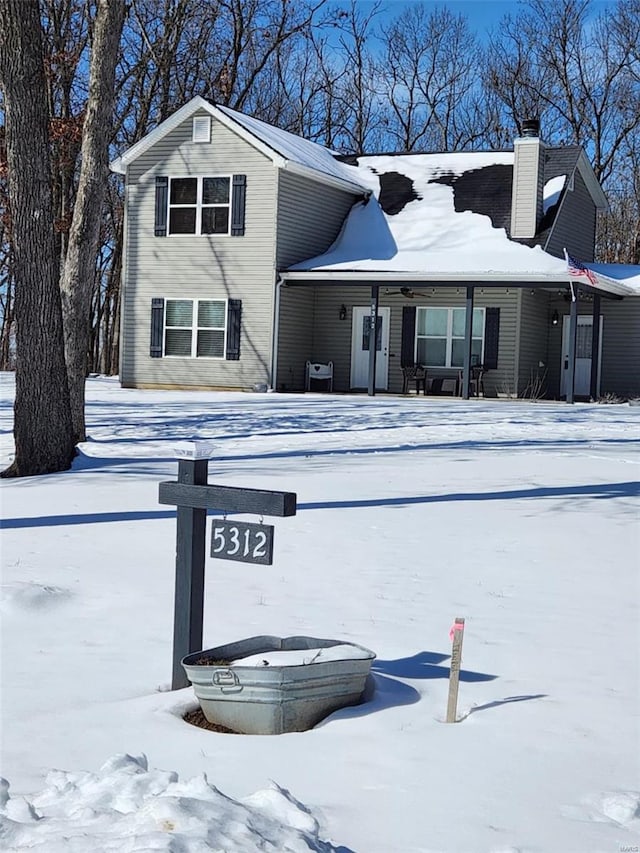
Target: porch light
(555, 319)
(343, 312)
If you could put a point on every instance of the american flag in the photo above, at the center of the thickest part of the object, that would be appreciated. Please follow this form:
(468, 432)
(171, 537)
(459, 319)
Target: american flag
(576, 267)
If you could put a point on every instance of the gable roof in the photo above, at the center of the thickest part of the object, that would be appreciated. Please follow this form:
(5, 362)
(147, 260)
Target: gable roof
(488, 190)
(284, 149)
(432, 213)
(437, 217)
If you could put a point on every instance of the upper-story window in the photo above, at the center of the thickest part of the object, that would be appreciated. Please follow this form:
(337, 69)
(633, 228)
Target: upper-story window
(199, 205)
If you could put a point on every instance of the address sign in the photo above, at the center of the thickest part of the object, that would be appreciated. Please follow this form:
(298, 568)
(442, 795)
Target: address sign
(243, 541)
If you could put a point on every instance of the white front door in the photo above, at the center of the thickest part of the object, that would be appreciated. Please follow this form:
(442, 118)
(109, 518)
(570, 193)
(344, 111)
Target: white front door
(582, 383)
(360, 348)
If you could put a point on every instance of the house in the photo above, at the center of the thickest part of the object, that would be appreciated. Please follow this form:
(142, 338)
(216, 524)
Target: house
(249, 251)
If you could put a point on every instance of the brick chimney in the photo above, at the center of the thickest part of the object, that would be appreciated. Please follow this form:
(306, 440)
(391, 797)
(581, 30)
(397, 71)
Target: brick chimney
(528, 181)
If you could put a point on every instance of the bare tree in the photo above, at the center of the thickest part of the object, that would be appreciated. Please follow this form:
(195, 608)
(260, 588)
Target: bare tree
(65, 35)
(430, 62)
(77, 284)
(42, 417)
(554, 61)
(356, 90)
(581, 74)
(7, 341)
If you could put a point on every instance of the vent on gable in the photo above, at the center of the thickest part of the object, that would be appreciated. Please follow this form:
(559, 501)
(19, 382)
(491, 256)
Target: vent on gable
(202, 128)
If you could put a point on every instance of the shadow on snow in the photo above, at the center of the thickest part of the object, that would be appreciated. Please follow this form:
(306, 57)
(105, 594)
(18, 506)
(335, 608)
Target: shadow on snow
(594, 491)
(383, 689)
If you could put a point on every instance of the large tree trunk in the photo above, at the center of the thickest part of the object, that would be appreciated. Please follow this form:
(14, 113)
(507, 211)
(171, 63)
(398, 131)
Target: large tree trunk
(42, 418)
(79, 269)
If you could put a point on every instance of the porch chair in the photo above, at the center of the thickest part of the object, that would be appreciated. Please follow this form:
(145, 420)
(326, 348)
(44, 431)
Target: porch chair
(414, 373)
(476, 381)
(319, 372)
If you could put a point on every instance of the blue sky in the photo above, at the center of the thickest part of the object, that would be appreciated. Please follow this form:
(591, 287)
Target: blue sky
(481, 14)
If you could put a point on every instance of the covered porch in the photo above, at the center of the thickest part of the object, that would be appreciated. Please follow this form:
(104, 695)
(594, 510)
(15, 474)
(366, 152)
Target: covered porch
(331, 315)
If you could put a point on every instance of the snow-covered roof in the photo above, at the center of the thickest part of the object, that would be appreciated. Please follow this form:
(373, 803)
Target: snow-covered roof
(417, 225)
(551, 192)
(294, 148)
(285, 149)
(627, 275)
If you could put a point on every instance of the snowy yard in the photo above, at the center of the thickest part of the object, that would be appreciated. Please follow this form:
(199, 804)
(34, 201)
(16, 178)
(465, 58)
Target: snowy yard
(522, 518)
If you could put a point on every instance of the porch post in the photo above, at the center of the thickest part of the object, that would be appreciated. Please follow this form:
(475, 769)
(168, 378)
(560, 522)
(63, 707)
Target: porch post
(373, 337)
(468, 330)
(595, 347)
(573, 331)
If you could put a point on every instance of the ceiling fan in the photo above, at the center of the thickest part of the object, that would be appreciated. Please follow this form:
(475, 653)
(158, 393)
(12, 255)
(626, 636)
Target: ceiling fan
(407, 293)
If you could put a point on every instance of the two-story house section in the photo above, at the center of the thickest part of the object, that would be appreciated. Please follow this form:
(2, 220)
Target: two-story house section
(215, 203)
(250, 252)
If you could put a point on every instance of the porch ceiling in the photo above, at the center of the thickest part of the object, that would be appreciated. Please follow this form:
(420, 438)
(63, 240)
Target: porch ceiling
(357, 278)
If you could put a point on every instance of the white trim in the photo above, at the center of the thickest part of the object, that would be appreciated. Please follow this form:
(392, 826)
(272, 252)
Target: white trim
(275, 338)
(120, 164)
(194, 328)
(358, 313)
(201, 129)
(449, 337)
(198, 206)
(329, 180)
(582, 320)
(588, 176)
(499, 279)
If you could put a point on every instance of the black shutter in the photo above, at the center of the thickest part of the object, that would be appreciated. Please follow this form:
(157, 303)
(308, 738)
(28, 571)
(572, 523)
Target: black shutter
(157, 327)
(491, 337)
(408, 343)
(234, 316)
(162, 198)
(238, 194)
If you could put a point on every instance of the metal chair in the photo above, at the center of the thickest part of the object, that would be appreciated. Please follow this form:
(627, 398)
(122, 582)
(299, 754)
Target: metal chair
(414, 373)
(476, 381)
(321, 372)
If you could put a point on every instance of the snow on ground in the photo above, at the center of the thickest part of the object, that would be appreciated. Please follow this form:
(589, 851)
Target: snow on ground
(520, 517)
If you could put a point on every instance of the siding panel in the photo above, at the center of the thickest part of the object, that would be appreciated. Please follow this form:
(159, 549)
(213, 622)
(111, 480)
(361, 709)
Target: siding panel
(621, 347)
(310, 216)
(526, 188)
(620, 365)
(533, 370)
(328, 338)
(189, 266)
(575, 224)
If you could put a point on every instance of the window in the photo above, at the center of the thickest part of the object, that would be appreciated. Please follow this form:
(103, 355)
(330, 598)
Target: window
(440, 336)
(195, 328)
(199, 205)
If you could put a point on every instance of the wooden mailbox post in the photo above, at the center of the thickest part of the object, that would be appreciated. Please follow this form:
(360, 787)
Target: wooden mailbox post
(192, 495)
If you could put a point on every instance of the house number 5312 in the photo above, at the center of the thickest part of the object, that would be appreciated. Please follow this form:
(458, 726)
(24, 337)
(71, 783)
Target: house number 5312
(242, 541)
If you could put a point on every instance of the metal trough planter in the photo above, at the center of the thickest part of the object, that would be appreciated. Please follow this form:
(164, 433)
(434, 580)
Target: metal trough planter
(272, 685)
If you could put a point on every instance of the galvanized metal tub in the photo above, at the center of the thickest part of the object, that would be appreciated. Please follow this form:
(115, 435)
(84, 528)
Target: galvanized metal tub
(277, 698)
